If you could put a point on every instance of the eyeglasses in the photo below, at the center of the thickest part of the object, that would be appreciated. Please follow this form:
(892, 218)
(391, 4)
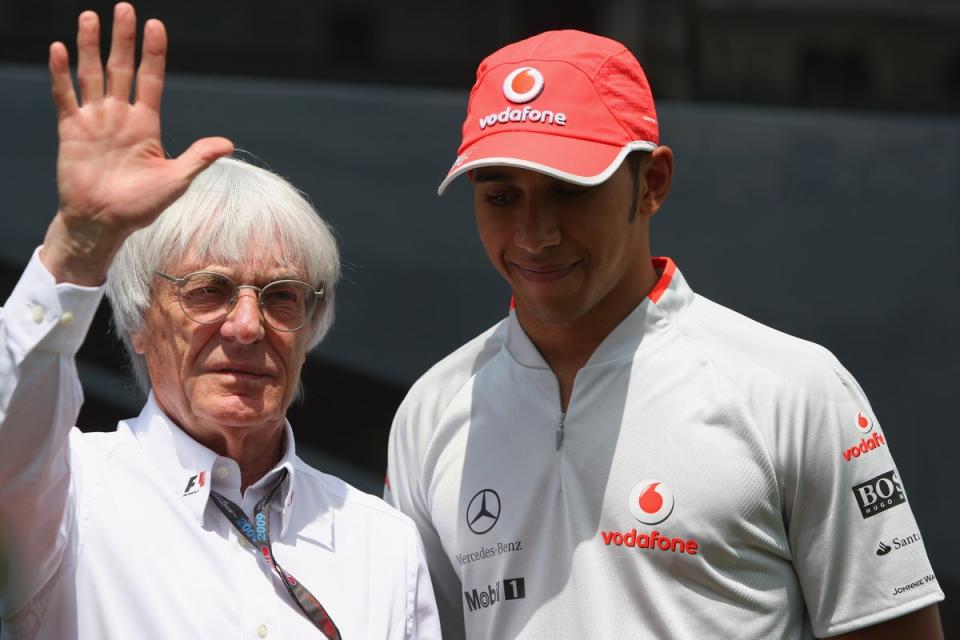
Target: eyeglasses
(207, 297)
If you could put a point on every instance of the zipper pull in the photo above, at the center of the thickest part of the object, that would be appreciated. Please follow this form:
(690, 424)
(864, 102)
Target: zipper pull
(563, 417)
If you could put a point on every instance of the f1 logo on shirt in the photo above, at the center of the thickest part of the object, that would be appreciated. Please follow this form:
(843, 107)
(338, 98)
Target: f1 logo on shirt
(195, 483)
(879, 494)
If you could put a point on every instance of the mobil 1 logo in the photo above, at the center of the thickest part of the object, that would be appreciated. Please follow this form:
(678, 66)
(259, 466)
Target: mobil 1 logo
(879, 494)
(513, 589)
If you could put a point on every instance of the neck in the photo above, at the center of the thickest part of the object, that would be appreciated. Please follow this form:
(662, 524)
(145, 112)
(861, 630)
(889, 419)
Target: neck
(256, 452)
(567, 346)
(255, 459)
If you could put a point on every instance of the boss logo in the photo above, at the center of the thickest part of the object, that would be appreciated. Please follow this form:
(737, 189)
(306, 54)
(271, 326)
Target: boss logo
(879, 494)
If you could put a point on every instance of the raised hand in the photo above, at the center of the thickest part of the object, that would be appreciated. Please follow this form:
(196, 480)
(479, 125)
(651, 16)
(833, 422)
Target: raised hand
(112, 175)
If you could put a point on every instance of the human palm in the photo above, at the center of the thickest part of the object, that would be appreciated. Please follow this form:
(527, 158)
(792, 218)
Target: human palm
(112, 174)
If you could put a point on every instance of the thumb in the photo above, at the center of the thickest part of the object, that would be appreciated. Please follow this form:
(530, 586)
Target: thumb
(201, 155)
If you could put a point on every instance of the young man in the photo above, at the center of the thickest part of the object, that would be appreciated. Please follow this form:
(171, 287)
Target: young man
(621, 457)
(196, 519)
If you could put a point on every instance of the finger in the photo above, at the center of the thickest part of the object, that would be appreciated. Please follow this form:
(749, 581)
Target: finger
(64, 97)
(152, 65)
(89, 66)
(120, 62)
(201, 155)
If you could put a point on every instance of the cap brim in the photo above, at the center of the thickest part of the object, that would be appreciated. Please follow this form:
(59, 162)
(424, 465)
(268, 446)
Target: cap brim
(575, 160)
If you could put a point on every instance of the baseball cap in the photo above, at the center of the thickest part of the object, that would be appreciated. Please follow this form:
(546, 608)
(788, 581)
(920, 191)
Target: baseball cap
(565, 103)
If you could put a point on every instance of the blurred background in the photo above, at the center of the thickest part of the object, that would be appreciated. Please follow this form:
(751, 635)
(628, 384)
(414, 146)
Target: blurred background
(817, 187)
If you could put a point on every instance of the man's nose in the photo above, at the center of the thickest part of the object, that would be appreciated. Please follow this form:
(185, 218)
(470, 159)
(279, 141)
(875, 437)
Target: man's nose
(536, 227)
(244, 323)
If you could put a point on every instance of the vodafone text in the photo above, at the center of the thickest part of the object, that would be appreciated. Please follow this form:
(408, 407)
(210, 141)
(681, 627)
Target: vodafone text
(653, 540)
(489, 552)
(523, 115)
(866, 446)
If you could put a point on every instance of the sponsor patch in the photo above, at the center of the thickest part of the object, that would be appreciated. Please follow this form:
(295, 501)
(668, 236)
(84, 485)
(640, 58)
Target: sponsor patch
(652, 540)
(897, 543)
(651, 502)
(865, 446)
(195, 483)
(527, 114)
(523, 85)
(879, 494)
(492, 594)
(483, 511)
(491, 551)
(919, 582)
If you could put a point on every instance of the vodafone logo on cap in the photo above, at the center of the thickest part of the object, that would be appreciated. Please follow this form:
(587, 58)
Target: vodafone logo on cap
(651, 501)
(523, 85)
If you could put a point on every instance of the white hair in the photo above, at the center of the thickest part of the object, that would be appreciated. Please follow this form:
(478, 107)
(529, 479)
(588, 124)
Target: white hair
(229, 210)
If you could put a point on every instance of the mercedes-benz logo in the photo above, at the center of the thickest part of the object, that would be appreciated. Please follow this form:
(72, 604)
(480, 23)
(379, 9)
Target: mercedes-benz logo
(483, 511)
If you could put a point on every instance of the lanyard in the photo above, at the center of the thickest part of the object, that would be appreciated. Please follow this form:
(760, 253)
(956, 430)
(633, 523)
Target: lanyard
(259, 536)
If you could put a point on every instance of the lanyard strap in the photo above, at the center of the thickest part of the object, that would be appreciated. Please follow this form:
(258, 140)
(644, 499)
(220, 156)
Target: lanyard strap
(259, 536)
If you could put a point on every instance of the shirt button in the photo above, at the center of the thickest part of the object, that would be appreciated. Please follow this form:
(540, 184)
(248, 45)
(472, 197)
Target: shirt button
(38, 312)
(262, 631)
(222, 472)
(243, 541)
(67, 318)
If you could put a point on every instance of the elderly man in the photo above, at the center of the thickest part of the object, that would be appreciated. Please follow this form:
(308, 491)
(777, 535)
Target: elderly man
(620, 457)
(195, 519)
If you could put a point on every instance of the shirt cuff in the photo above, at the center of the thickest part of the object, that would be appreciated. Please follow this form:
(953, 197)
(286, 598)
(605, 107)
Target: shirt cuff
(43, 315)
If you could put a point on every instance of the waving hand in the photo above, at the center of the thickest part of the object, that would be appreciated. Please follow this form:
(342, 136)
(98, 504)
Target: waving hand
(112, 174)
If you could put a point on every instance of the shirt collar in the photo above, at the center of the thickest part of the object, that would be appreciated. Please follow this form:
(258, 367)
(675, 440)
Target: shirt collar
(189, 470)
(669, 295)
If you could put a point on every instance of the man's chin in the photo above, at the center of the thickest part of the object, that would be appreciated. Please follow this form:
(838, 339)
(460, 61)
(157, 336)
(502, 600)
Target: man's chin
(242, 409)
(550, 311)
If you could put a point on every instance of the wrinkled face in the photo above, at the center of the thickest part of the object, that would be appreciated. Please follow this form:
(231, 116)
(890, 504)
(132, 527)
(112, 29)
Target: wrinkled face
(238, 373)
(565, 249)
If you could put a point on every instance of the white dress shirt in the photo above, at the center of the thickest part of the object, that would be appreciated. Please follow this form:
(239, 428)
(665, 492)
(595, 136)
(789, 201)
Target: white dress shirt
(112, 535)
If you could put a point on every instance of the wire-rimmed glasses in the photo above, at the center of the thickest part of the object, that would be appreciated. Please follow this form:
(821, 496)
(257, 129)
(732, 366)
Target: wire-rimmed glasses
(207, 297)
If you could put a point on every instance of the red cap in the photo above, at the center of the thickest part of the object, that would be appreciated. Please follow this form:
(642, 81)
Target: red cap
(568, 104)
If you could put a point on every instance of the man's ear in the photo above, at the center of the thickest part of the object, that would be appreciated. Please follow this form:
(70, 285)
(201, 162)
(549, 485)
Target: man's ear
(656, 173)
(136, 339)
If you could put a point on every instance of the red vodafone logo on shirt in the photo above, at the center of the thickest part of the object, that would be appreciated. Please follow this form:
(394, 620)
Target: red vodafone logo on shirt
(864, 424)
(651, 501)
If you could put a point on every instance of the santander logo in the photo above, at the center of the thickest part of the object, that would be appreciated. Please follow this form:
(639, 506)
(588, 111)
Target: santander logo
(523, 85)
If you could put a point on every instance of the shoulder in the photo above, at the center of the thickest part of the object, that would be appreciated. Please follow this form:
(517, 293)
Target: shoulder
(751, 353)
(96, 447)
(433, 392)
(349, 504)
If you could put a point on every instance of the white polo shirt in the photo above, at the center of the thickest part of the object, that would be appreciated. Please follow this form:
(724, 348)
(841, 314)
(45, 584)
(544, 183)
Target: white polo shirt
(711, 478)
(112, 535)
